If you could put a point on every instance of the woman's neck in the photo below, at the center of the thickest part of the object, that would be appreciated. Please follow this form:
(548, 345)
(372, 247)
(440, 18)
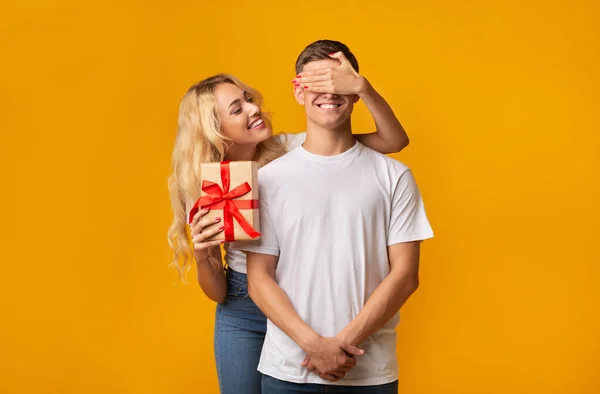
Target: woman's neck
(241, 152)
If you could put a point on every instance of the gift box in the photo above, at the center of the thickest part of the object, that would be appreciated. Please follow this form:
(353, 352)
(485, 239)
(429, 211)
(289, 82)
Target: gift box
(230, 190)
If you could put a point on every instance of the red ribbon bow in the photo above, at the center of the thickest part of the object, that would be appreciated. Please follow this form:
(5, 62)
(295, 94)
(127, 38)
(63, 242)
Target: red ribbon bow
(218, 198)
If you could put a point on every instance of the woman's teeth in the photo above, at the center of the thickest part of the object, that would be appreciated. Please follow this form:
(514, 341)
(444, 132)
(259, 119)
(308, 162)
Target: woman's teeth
(255, 124)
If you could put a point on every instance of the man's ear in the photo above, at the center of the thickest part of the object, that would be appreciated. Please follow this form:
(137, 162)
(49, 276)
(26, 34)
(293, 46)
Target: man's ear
(299, 95)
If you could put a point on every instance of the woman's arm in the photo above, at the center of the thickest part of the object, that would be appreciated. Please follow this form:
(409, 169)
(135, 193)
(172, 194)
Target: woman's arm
(390, 136)
(211, 275)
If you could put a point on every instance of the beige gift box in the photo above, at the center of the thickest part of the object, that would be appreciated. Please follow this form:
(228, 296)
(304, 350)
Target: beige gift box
(230, 190)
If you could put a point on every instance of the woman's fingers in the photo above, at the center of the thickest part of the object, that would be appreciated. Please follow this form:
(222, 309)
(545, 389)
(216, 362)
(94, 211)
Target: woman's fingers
(311, 73)
(205, 245)
(207, 232)
(198, 216)
(203, 223)
(316, 78)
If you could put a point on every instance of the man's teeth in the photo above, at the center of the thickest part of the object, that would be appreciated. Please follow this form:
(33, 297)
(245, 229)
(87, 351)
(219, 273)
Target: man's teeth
(329, 106)
(256, 124)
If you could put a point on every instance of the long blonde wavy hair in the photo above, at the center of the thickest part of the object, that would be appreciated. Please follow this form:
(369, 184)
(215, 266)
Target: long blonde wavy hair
(200, 140)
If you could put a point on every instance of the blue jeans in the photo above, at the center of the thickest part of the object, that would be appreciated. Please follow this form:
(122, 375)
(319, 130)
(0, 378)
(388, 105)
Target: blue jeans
(271, 385)
(239, 335)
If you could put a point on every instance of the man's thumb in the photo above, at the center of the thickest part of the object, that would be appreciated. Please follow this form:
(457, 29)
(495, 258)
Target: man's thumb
(352, 349)
(306, 361)
(339, 56)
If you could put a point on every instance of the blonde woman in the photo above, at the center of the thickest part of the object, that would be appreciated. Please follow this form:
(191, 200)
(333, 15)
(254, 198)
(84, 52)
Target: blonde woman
(220, 118)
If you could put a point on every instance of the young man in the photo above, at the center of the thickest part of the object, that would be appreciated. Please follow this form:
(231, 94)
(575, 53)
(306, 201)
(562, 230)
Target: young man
(341, 229)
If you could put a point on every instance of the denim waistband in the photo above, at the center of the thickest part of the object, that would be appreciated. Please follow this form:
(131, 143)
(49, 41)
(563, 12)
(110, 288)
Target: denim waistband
(237, 277)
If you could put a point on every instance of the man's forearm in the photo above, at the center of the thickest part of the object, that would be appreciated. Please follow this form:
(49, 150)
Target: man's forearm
(389, 128)
(383, 304)
(276, 305)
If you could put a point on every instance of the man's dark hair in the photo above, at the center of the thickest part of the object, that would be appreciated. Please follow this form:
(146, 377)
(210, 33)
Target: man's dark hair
(320, 50)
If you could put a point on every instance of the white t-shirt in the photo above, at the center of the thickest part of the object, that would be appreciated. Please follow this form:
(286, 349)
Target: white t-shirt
(330, 220)
(236, 260)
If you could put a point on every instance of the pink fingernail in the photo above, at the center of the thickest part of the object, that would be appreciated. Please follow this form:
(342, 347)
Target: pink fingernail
(221, 228)
(206, 209)
(293, 81)
(297, 84)
(217, 219)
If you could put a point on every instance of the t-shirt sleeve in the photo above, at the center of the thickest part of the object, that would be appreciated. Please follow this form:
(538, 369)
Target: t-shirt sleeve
(268, 242)
(408, 220)
(292, 141)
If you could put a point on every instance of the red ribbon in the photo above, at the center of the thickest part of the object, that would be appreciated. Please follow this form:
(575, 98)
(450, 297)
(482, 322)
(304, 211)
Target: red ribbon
(218, 198)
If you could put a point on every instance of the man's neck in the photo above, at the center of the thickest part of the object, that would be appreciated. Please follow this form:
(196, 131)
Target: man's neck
(328, 142)
(241, 152)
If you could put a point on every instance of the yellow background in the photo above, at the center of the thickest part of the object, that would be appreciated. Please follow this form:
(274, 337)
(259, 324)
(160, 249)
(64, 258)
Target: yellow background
(500, 99)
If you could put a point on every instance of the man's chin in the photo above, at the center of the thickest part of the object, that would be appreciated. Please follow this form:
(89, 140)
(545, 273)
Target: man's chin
(329, 123)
